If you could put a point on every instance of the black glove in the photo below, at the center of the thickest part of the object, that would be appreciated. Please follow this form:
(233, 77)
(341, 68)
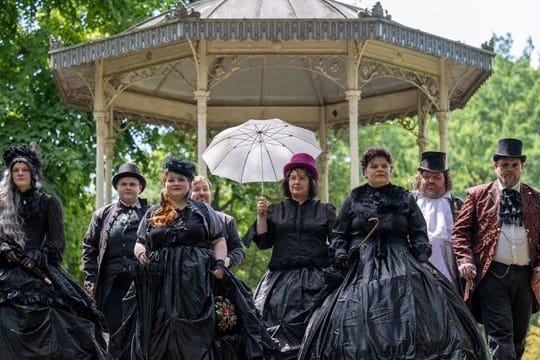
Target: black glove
(342, 260)
(333, 276)
(38, 256)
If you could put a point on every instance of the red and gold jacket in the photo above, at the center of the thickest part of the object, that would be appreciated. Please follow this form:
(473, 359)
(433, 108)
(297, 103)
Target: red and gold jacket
(477, 228)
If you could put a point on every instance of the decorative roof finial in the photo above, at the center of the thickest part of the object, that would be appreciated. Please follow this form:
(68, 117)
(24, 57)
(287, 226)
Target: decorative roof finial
(489, 45)
(183, 12)
(55, 43)
(376, 11)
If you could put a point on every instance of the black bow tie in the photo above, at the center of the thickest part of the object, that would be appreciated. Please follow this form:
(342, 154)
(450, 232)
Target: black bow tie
(128, 207)
(510, 209)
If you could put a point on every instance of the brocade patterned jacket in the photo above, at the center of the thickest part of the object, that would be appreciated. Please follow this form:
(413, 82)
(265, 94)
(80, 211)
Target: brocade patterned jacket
(477, 228)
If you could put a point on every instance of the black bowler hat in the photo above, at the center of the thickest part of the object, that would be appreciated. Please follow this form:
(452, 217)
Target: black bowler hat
(509, 148)
(129, 170)
(433, 161)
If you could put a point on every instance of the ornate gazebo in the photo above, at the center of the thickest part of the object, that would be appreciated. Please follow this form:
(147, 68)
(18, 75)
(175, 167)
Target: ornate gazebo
(319, 64)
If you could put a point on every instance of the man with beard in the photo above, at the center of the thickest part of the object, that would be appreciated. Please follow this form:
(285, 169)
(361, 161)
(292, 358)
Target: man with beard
(432, 187)
(496, 243)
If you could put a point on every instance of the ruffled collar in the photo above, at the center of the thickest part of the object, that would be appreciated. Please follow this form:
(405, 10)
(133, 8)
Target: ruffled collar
(28, 203)
(378, 201)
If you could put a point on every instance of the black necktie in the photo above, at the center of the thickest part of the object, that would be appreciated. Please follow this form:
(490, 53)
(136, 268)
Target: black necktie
(510, 209)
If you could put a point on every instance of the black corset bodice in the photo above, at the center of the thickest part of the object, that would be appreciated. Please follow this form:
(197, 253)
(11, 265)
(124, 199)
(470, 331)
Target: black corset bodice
(187, 229)
(33, 212)
(389, 204)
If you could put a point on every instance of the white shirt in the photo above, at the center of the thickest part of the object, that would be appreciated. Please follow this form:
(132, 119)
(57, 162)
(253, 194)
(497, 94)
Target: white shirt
(513, 245)
(439, 221)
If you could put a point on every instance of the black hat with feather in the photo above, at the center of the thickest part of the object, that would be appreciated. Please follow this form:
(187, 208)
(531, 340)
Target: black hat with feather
(23, 153)
(180, 166)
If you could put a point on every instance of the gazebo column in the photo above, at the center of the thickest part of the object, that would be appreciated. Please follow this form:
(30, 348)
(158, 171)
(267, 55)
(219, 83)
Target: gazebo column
(323, 139)
(110, 139)
(99, 118)
(442, 118)
(202, 109)
(422, 137)
(201, 96)
(353, 96)
(444, 106)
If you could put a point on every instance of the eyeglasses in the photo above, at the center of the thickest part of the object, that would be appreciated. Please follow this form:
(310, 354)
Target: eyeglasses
(513, 165)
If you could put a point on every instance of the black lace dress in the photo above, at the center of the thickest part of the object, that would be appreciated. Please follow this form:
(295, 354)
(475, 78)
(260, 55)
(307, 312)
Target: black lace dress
(37, 320)
(389, 306)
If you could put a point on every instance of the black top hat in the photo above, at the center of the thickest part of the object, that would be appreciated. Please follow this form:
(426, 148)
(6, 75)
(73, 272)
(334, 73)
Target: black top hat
(129, 170)
(433, 161)
(509, 148)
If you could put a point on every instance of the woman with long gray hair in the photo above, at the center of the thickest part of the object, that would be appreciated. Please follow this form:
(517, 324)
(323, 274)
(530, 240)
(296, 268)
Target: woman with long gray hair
(44, 314)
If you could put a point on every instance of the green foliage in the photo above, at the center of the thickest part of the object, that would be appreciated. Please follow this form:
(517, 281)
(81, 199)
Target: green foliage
(532, 348)
(505, 106)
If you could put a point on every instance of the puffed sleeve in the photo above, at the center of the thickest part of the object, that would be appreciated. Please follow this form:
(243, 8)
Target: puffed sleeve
(418, 239)
(55, 242)
(264, 240)
(340, 234)
(142, 231)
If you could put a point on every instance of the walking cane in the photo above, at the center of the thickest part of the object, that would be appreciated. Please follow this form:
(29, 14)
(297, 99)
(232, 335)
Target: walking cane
(356, 247)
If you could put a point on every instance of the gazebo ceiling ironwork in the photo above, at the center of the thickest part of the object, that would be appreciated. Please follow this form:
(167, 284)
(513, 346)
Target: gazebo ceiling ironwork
(265, 59)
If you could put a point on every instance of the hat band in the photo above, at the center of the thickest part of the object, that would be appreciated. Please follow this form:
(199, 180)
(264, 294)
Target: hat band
(20, 159)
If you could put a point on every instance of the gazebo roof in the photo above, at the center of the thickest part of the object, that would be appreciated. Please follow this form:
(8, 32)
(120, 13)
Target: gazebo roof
(275, 9)
(278, 58)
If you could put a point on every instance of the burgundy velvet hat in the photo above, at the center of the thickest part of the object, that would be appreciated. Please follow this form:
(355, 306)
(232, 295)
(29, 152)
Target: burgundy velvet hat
(302, 160)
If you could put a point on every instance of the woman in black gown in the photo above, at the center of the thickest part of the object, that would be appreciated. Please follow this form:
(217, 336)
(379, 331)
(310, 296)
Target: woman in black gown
(297, 229)
(391, 305)
(44, 314)
(181, 250)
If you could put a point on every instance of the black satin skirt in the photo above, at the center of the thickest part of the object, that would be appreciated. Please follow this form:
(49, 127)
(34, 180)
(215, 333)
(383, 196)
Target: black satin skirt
(41, 321)
(170, 312)
(391, 307)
